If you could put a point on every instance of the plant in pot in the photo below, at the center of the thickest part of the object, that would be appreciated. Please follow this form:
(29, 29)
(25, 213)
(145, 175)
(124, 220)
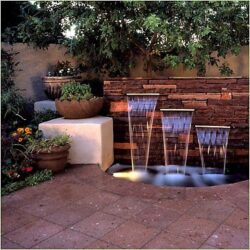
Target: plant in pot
(77, 101)
(63, 72)
(50, 153)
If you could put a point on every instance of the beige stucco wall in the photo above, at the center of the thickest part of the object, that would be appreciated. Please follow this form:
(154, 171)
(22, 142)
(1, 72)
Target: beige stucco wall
(239, 64)
(34, 64)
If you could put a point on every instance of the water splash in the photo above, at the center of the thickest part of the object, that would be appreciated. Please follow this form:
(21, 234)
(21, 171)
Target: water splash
(215, 138)
(141, 108)
(176, 125)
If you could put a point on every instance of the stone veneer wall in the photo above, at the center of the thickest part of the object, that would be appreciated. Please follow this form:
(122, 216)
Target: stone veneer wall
(217, 101)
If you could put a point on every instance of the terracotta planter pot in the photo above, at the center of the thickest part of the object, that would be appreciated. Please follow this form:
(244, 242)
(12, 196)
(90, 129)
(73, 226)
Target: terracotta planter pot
(52, 84)
(54, 160)
(79, 109)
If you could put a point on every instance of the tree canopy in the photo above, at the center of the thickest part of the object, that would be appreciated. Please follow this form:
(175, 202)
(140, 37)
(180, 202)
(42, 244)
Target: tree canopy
(109, 35)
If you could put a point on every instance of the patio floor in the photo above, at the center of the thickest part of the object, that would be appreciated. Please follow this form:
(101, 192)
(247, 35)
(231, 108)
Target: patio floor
(86, 208)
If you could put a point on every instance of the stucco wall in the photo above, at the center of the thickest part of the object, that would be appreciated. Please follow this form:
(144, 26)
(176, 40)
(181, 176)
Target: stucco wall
(34, 64)
(239, 64)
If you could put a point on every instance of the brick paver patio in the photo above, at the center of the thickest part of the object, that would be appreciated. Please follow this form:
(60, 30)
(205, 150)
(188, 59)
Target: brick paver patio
(86, 208)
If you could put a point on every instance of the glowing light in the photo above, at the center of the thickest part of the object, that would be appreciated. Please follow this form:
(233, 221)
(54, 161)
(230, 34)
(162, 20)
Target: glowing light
(131, 175)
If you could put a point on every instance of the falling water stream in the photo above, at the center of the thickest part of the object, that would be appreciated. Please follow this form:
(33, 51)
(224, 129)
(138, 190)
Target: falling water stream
(176, 125)
(213, 142)
(141, 108)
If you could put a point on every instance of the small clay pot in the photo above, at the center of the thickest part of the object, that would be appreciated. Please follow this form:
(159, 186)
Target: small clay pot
(55, 159)
(53, 84)
(79, 109)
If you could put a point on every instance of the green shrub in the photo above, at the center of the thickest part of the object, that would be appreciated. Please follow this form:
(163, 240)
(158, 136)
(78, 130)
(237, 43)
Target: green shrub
(43, 116)
(7, 70)
(13, 107)
(75, 91)
(43, 144)
(32, 180)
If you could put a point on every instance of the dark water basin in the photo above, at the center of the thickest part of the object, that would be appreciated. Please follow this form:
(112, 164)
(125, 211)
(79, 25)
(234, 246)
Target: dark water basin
(161, 176)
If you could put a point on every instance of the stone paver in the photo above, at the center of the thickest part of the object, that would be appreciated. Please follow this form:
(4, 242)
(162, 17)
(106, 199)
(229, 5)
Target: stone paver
(100, 244)
(191, 228)
(98, 224)
(86, 208)
(131, 235)
(212, 210)
(180, 206)
(7, 244)
(66, 239)
(158, 217)
(31, 234)
(238, 219)
(69, 215)
(171, 241)
(98, 200)
(228, 237)
(13, 219)
(126, 207)
(206, 246)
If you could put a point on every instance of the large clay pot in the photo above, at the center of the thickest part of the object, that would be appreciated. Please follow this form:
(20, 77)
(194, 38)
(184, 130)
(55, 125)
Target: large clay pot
(55, 159)
(79, 109)
(52, 84)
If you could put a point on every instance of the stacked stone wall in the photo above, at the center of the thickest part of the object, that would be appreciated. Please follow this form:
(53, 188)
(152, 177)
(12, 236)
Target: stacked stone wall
(217, 101)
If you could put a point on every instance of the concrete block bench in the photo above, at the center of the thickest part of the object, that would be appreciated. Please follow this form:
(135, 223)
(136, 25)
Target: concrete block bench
(42, 106)
(91, 139)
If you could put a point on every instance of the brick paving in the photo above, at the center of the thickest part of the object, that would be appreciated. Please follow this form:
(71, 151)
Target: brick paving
(86, 208)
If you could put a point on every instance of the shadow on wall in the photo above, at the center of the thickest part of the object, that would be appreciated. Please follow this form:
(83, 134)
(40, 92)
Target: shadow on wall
(37, 88)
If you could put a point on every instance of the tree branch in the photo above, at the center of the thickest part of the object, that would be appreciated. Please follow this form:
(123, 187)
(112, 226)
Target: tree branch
(137, 44)
(153, 40)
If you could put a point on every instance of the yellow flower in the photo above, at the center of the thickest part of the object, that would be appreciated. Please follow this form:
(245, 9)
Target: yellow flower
(20, 130)
(28, 131)
(20, 139)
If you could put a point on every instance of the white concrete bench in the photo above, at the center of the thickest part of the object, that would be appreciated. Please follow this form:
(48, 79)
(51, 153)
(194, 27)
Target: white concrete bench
(91, 139)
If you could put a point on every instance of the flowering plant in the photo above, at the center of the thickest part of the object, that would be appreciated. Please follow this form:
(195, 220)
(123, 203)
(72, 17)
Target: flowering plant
(63, 68)
(21, 135)
(16, 163)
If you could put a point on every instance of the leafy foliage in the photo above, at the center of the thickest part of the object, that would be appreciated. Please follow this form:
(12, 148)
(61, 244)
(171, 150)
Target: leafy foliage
(12, 106)
(109, 35)
(46, 145)
(32, 180)
(75, 91)
(7, 70)
(17, 169)
(43, 116)
(63, 68)
(11, 16)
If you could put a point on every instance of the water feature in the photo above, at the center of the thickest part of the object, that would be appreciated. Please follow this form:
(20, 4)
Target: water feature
(141, 108)
(213, 141)
(156, 175)
(176, 125)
